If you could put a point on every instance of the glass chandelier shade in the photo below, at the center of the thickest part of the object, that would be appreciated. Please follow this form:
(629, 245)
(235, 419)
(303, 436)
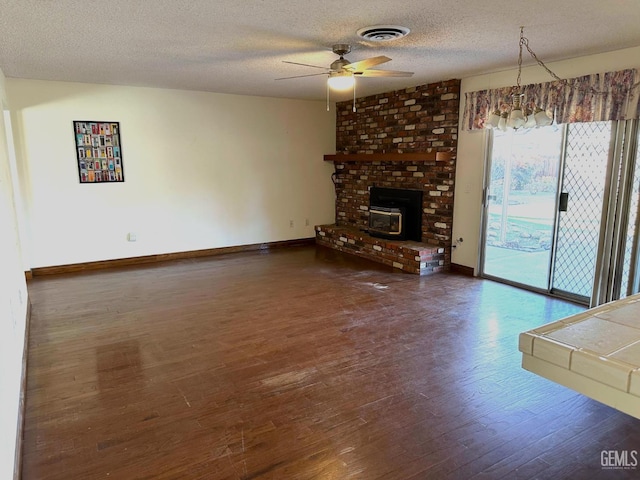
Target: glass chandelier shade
(516, 116)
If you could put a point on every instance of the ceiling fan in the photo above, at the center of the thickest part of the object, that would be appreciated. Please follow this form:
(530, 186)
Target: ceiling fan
(342, 73)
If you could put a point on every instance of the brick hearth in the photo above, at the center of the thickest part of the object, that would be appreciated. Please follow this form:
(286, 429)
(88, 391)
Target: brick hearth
(412, 257)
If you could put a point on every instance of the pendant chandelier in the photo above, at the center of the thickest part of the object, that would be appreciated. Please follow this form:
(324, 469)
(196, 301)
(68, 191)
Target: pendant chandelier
(522, 113)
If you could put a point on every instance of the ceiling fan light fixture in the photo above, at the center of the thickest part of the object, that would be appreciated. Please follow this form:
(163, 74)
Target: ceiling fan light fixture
(341, 81)
(383, 33)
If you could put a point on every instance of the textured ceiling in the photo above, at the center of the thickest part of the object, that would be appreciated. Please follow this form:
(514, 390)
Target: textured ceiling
(238, 46)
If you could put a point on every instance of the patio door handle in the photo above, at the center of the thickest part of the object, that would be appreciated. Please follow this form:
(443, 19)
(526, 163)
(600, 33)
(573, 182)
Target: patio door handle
(564, 201)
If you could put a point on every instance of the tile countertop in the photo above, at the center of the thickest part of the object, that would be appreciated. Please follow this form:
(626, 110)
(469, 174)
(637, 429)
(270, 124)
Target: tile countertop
(602, 344)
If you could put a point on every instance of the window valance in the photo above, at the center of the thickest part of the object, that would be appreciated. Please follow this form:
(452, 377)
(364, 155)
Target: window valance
(590, 98)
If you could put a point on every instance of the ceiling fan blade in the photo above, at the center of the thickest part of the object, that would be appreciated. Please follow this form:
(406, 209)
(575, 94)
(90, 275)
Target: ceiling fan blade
(304, 64)
(367, 63)
(383, 73)
(300, 76)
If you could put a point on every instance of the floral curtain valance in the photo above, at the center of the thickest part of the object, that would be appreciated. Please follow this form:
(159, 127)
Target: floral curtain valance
(591, 98)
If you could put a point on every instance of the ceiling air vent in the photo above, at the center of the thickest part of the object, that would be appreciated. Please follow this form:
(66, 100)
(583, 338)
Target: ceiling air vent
(382, 33)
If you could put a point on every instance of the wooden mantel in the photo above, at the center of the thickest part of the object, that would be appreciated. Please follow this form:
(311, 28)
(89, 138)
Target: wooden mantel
(389, 157)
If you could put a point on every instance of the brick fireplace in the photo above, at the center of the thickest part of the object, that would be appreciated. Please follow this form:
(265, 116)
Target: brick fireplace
(405, 139)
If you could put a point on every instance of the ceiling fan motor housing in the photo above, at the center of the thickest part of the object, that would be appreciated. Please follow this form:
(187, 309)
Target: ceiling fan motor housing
(339, 64)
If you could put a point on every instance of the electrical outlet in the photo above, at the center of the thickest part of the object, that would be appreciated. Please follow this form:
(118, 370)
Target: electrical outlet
(131, 237)
(290, 223)
(306, 222)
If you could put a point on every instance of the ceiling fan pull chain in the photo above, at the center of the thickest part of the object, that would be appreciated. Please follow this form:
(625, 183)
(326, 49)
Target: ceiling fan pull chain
(327, 96)
(354, 93)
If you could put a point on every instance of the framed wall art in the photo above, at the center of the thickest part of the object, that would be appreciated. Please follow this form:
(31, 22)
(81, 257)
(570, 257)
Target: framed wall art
(98, 151)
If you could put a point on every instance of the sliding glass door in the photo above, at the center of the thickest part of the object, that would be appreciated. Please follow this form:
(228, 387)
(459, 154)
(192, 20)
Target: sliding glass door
(561, 210)
(521, 206)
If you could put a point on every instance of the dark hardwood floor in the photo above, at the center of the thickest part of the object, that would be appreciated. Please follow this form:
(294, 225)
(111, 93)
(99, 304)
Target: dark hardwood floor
(299, 364)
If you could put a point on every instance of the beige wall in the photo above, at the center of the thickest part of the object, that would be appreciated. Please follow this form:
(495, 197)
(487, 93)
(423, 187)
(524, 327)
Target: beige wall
(237, 170)
(13, 305)
(471, 145)
(202, 170)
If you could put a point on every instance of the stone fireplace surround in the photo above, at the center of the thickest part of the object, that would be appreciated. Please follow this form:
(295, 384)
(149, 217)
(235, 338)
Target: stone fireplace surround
(403, 139)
